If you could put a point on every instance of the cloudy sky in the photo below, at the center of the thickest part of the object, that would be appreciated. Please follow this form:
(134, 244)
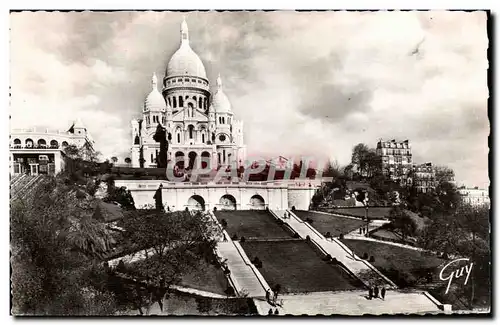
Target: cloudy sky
(303, 83)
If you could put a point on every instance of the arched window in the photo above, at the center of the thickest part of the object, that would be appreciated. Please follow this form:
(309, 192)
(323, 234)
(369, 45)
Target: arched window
(42, 143)
(174, 100)
(136, 140)
(169, 102)
(200, 102)
(29, 143)
(205, 103)
(54, 144)
(223, 120)
(178, 138)
(190, 131)
(224, 155)
(203, 137)
(195, 102)
(64, 144)
(181, 101)
(17, 143)
(151, 157)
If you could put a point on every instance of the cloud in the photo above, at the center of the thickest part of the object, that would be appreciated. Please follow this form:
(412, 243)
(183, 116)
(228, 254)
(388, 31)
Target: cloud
(313, 83)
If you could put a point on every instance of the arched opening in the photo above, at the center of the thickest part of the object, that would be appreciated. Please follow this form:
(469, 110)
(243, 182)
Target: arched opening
(195, 101)
(200, 102)
(42, 143)
(29, 143)
(64, 144)
(192, 159)
(178, 138)
(169, 102)
(257, 202)
(227, 202)
(179, 159)
(17, 143)
(181, 101)
(54, 144)
(196, 202)
(174, 101)
(203, 138)
(205, 103)
(191, 131)
(136, 140)
(205, 159)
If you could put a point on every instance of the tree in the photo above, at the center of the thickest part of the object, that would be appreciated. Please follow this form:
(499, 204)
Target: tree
(332, 169)
(177, 240)
(56, 246)
(402, 222)
(443, 174)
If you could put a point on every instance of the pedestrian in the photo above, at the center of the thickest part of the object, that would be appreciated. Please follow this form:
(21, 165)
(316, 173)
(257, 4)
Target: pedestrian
(383, 293)
(268, 296)
(370, 293)
(276, 311)
(376, 292)
(270, 312)
(284, 216)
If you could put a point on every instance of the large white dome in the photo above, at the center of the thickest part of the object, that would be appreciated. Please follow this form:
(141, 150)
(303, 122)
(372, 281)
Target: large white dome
(185, 62)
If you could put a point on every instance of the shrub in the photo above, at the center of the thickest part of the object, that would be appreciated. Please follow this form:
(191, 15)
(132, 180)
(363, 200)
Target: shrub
(327, 258)
(121, 267)
(365, 256)
(309, 220)
(186, 209)
(229, 291)
(223, 223)
(293, 208)
(308, 238)
(242, 239)
(235, 237)
(257, 262)
(267, 208)
(215, 209)
(280, 222)
(372, 259)
(328, 235)
(335, 261)
(341, 236)
(296, 235)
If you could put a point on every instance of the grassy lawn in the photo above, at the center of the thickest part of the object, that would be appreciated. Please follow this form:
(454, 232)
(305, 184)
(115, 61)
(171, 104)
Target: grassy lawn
(373, 212)
(297, 267)
(326, 223)
(402, 265)
(252, 223)
(206, 277)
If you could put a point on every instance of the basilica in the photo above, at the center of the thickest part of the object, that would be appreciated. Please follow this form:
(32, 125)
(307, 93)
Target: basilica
(198, 123)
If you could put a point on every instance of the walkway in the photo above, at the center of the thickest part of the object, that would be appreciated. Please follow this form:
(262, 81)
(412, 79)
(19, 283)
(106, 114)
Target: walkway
(368, 274)
(351, 303)
(246, 278)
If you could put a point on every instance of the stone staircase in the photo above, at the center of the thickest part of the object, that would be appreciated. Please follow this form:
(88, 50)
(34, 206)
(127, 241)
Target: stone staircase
(352, 303)
(363, 270)
(246, 279)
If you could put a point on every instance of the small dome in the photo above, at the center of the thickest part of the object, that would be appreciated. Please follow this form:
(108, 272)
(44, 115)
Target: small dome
(220, 102)
(154, 101)
(185, 62)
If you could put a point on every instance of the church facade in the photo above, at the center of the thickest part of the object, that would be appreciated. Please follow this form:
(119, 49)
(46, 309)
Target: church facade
(198, 123)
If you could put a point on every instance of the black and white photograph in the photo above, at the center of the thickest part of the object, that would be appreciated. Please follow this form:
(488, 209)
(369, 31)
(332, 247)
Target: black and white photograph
(250, 163)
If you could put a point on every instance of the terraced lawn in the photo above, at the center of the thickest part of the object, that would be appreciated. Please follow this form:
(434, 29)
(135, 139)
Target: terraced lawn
(373, 212)
(252, 224)
(406, 267)
(327, 223)
(297, 267)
